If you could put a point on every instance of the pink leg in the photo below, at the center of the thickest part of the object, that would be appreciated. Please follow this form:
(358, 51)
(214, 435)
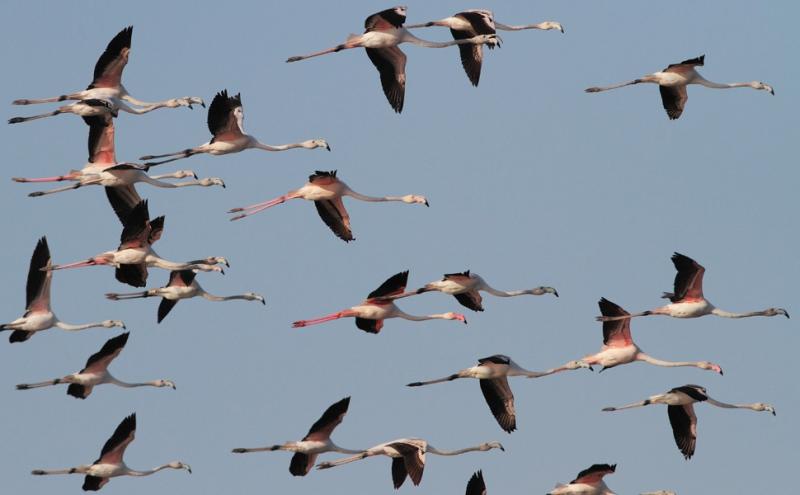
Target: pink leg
(330, 317)
(253, 209)
(46, 179)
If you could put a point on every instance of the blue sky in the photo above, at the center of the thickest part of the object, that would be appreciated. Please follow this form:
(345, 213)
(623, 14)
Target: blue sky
(531, 182)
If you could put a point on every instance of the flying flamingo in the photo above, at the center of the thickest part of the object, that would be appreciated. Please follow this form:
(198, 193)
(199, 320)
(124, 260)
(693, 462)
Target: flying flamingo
(104, 170)
(38, 314)
(226, 124)
(475, 22)
(619, 348)
(135, 253)
(326, 191)
(378, 306)
(492, 373)
(673, 80)
(96, 373)
(688, 301)
(465, 287)
(588, 482)
(110, 463)
(182, 285)
(383, 33)
(680, 410)
(408, 457)
(317, 441)
(107, 86)
(476, 485)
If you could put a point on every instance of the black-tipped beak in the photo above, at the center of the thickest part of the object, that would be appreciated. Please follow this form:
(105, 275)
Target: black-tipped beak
(773, 413)
(263, 302)
(227, 264)
(328, 147)
(124, 327)
(609, 409)
(502, 448)
(221, 271)
(555, 292)
(427, 203)
(203, 104)
(195, 175)
(591, 369)
(786, 314)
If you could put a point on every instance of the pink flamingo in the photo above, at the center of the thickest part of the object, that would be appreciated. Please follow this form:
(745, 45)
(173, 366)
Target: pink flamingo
(38, 314)
(383, 33)
(492, 373)
(135, 253)
(588, 482)
(466, 287)
(619, 348)
(317, 441)
(673, 80)
(680, 410)
(378, 306)
(110, 464)
(106, 86)
(104, 170)
(226, 124)
(475, 22)
(687, 300)
(326, 191)
(96, 373)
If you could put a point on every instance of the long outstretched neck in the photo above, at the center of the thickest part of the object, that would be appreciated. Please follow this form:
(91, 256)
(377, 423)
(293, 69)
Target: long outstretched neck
(152, 471)
(434, 450)
(410, 38)
(753, 406)
(67, 326)
(547, 25)
(437, 316)
(766, 312)
(374, 199)
(120, 383)
(279, 147)
(255, 208)
(212, 297)
(342, 450)
(511, 293)
(711, 84)
(675, 364)
(271, 448)
(74, 470)
(333, 316)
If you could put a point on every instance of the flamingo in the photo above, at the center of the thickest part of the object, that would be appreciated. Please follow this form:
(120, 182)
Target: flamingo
(680, 409)
(687, 300)
(383, 33)
(106, 86)
(104, 170)
(408, 457)
(619, 348)
(378, 306)
(492, 373)
(673, 80)
(110, 463)
(475, 22)
(465, 287)
(317, 441)
(326, 191)
(226, 124)
(182, 285)
(588, 482)
(38, 314)
(96, 373)
(135, 253)
(476, 485)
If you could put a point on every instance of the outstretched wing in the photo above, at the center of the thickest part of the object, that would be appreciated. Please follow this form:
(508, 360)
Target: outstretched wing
(684, 428)
(322, 429)
(391, 64)
(689, 279)
(594, 473)
(334, 215)
(115, 447)
(37, 289)
(476, 485)
(501, 402)
(222, 122)
(616, 333)
(673, 99)
(108, 69)
(99, 361)
(386, 19)
(392, 286)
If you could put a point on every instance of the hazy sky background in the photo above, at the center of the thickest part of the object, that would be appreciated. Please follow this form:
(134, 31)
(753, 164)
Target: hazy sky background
(531, 182)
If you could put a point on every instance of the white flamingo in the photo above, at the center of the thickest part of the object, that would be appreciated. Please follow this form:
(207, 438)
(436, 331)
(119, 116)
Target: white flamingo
(38, 314)
(383, 33)
(96, 373)
(326, 190)
(588, 482)
(317, 441)
(106, 86)
(408, 457)
(226, 124)
(673, 80)
(110, 464)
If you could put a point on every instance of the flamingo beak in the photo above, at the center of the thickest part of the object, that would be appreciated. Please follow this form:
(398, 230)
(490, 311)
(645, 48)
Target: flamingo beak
(427, 204)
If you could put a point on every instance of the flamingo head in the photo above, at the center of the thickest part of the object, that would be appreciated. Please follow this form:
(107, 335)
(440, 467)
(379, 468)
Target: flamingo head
(180, 465)
(711, 366)
(760, 406)
(762, 86)
(252, 296)
(548, 25)
(775, 312)
(316, 143)
(114, 323)
(166, 383)
(411, 199)
(578, 364)
(455, 316)
(491, 445)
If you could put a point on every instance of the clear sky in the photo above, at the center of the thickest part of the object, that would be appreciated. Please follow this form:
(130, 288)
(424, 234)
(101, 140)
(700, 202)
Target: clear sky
(531, 182)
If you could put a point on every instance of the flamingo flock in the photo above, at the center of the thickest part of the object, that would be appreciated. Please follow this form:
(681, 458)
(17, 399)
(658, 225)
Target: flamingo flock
(100, 104)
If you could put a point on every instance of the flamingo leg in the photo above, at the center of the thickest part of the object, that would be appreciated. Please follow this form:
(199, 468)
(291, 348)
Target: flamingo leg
(56, 178)
(323, 319)
(253, 209)
(77, 264)
(25, 101)
(19, 120)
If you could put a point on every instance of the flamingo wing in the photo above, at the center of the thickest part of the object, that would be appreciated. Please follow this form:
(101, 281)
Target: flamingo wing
(79, 391)
(384, 20)
(689, 279)
(481, 22)
(181, 278)
(156, 229)
(322, 429)
(136, 227)
(686, 64)
(594, 473)
(335, 217)
(165, 307)
(471, 299)
(133, 275)
(101, 139)
(93, 483)
(476, 485)
(462, 277)
(412, 463)
(37, 288)
(501, 402)
(369, 326)
(684, 428)
(99, 361)
(392, 286)
(616, 333)
(123, 200)
(322, 178)
(114, 448)
(20, 336)
(391, 64)
(302, 463)
(222, 121)
(108, 69)
(674, 99)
